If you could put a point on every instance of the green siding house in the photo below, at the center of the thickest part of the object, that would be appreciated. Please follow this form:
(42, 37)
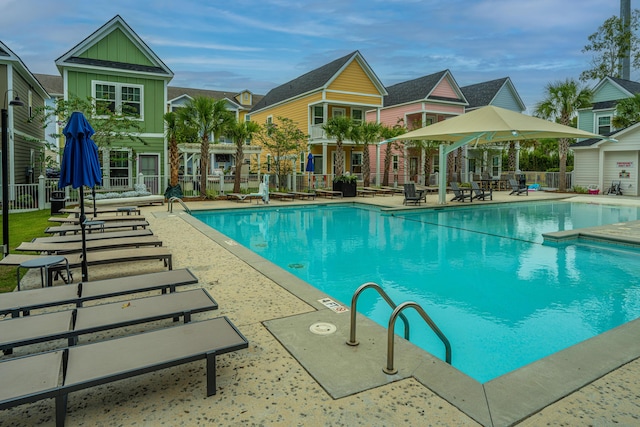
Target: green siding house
(120, 72)
(25, 136)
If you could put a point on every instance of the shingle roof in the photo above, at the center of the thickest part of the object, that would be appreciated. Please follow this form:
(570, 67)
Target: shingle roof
(115, 65)
(630, 86)
(314, 79)
(176, 92)
(591, 141)
(416, 90)
(603, 105)
(481, 94)
(51, 83)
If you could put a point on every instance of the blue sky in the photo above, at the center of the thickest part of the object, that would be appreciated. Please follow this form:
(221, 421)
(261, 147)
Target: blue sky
(257, 45)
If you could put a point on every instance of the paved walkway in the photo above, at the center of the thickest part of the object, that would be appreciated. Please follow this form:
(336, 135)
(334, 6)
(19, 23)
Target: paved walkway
(292, 376)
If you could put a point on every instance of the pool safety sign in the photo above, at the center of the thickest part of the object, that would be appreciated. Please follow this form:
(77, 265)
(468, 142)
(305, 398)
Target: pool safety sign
(332, 305)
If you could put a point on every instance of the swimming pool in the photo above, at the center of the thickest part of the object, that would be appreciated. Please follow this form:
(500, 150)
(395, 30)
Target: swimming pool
(502, 298)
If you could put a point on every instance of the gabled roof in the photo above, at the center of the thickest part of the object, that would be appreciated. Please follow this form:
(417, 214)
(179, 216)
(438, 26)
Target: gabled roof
(421, 89)
(174, 93)
(627, 86)
(73, 57)
(8, 56)
(315, 80)
(52, 84)
(483, 94)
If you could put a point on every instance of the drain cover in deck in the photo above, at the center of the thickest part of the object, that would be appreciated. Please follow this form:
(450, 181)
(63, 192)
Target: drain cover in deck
(322, 328)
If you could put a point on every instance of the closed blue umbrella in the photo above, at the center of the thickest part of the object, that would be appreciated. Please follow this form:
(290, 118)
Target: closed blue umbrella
(80, 167)
(309, 167)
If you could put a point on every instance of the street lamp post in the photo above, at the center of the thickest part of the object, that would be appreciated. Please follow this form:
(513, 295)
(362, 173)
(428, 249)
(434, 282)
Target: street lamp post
(5, 172)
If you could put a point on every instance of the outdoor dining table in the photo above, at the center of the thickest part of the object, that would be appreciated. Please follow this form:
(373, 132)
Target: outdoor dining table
(43, 263)
(493, 184)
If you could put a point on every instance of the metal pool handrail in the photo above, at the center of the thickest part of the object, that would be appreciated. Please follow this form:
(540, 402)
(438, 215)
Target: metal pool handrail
(179, 200)
(354, 302)
(389, 369)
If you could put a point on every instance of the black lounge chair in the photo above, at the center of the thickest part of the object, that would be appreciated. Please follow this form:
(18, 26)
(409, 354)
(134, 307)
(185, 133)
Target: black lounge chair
(56, 374)
(410, 194)
(133, 224)
(66, 238)
(479, 193)
(16, 303)
(615, 188)
(518, 189)
(460, 194)
(71, 324)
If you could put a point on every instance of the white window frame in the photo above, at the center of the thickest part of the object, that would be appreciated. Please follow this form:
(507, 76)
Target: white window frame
(314, 117)
(357, 158)
(118, 96)
(395, 162)
(355, 120)
(338, 111)
(598, 125)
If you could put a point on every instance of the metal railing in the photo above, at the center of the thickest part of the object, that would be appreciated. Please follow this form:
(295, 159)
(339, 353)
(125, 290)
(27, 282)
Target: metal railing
(390, 369)
(354, 303)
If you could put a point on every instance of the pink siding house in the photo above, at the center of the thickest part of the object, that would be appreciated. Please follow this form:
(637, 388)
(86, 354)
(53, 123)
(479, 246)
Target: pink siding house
(414, 103)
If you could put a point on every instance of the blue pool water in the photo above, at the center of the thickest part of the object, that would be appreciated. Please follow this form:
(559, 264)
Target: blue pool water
(502, 298)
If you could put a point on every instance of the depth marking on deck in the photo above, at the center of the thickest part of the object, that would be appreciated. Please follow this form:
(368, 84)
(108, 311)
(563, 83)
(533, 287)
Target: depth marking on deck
(331, 304)
(231, 243)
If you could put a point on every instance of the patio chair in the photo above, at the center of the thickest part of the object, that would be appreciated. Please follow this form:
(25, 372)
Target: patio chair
(459, 194)
(68, 238)
(72, 219)
(133, 224)
(91, 245)
(112, 256)
(17, 303)
(479, 193)
(517, 189)
(615, 188)
(57, 373)
(71, 324)
(321, 192)
(410, 195)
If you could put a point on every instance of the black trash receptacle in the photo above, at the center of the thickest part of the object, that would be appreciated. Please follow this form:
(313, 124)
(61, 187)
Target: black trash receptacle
(522, 180)
(58, 201)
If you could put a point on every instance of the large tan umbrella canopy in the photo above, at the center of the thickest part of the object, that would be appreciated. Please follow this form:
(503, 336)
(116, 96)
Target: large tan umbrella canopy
(488, 125)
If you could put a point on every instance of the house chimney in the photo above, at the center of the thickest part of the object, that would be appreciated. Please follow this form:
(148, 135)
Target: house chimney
(625, 17)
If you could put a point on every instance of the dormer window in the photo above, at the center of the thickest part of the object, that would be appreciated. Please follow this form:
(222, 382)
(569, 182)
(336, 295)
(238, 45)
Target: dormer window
(604, 125)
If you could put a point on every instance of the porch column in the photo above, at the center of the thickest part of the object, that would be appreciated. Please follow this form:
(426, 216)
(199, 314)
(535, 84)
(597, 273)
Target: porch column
(378, 182)
(404, 163)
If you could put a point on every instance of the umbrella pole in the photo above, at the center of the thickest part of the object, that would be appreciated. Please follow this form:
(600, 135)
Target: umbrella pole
(83, 218)
(95, 209)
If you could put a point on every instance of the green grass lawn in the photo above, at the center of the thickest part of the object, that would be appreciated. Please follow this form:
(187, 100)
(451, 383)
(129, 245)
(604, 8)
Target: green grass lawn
(23, 227)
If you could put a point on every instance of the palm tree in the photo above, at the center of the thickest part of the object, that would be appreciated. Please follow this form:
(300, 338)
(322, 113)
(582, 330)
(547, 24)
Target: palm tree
(512, 156)
(206, 116)
(561, 103)
(171, 125)
(386, 133)
(239, 132)
(339, 127)
(366, 133)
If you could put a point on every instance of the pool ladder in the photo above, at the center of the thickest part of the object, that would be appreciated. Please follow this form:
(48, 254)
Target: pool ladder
(179, 200)
(397, 312)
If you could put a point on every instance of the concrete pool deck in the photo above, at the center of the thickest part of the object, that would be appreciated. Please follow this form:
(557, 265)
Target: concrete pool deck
(292, 376)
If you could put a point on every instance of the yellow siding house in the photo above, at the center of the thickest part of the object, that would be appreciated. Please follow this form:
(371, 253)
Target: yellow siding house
(346, 86)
